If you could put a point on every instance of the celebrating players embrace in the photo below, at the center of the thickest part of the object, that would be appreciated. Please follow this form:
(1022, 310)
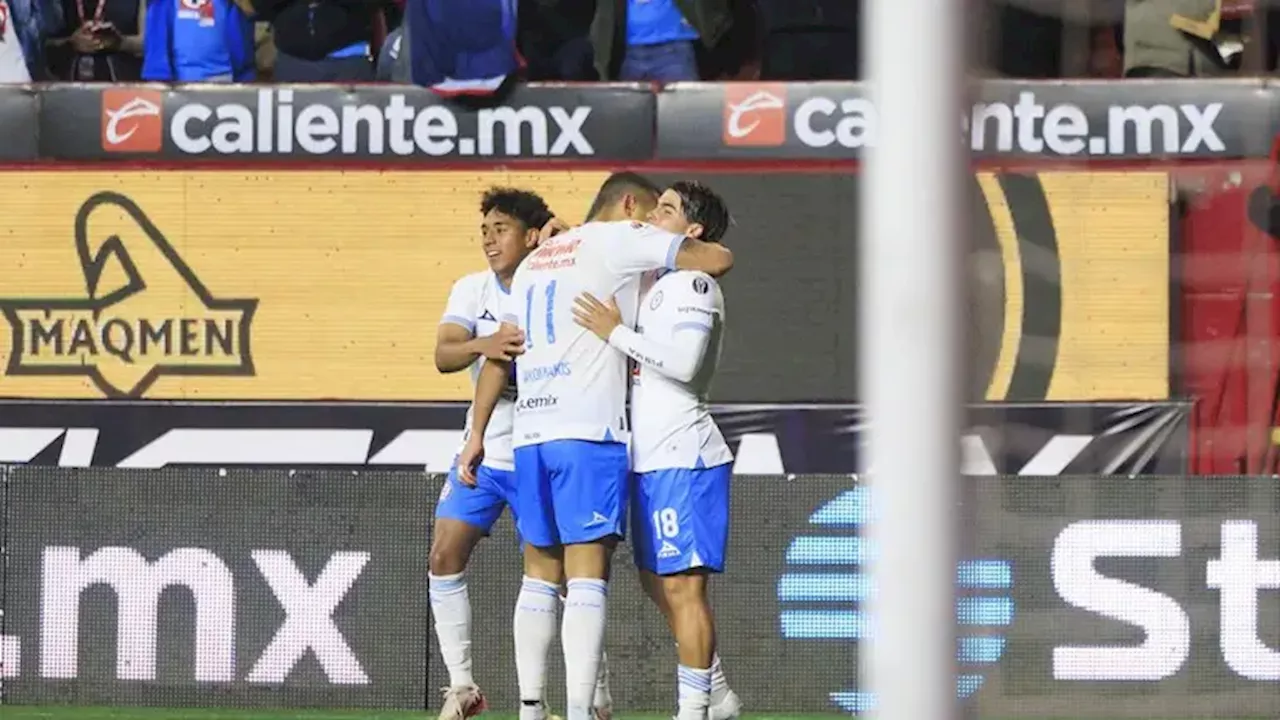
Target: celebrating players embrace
(564, 329)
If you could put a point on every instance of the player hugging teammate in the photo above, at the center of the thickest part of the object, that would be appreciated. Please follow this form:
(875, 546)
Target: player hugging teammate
(569, 313)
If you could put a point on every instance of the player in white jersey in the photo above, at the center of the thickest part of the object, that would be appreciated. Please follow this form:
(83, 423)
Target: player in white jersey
(680, 493)
(572, 463)
(13, 63)
(470, 334)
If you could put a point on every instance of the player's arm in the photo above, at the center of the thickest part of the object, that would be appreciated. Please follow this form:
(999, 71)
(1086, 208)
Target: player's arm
(679, 360)
(713, 259)
(638, 247)
(456, 343)
(678, 357)
(456, 348)
(489, 386)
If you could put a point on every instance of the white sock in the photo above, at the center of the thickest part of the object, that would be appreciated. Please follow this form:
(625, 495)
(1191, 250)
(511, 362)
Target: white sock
(719, 683)
(603, 697)
(451, 606)
(695, 692)
(534, 628)
(582, 636)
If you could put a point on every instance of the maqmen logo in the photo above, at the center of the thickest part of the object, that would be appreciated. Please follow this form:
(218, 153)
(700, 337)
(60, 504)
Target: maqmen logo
(132, 120)
(821, 594)
(161, 321)
(755, 115)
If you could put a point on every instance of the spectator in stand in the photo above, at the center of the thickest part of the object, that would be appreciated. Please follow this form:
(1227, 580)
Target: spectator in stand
(393, 59)
(197, 41)
(809, 39)
(1172, 38)
(32, 21)
(100, 41)
(461, 48)
(555, 39)
(656, 39)
(13, 62)
(321, 41)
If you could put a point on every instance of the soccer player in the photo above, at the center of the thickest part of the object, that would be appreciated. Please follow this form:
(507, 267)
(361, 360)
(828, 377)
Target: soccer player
(680, 493)
(470, 334)
(572, 463)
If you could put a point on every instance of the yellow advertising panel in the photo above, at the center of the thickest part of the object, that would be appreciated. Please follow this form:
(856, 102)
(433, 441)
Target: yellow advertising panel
(241, 285)
(1085, 285)
(296, 285)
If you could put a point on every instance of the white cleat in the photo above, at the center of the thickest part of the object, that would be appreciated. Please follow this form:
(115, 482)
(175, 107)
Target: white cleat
(462, 702)
(729, 707)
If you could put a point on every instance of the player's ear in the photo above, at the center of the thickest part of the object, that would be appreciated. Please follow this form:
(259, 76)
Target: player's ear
(695, 231)
(629, 203)
(531, 237)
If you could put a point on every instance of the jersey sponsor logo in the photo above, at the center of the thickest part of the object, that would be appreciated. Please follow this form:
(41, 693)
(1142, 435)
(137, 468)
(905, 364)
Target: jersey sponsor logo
(694, 309)
(544, 372)
(545, 402)
(555, 255)
(161, 320)
(822, 592)
(755, 114)
(132, 120)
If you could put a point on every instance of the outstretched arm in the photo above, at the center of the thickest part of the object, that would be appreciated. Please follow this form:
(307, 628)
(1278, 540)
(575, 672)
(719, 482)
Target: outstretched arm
(679, 360)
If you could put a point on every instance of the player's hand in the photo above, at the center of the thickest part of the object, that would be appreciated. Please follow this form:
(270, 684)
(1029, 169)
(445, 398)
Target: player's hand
(600, 318)
(469, 459)
(554, 227)
(505, 344)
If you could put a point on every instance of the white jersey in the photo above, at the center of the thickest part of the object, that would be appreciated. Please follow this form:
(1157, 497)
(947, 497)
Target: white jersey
(676, 348)
(13, 64)
(572, 384)
(475, 304)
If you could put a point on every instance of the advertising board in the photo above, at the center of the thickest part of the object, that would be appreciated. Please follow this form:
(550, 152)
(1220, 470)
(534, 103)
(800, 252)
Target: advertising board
(1078, 596)
(224, 588)
(1066, 439)
(325, 285)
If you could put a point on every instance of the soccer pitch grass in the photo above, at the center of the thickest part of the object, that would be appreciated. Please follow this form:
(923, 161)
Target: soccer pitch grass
(77, 712)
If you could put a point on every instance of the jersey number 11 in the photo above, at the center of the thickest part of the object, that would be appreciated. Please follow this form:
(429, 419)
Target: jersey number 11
(549, 315)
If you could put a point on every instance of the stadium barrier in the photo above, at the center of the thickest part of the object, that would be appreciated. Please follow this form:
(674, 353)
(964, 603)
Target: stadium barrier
(1098, 596)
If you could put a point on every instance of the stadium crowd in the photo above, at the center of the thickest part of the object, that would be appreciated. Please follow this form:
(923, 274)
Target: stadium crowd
(301, 41)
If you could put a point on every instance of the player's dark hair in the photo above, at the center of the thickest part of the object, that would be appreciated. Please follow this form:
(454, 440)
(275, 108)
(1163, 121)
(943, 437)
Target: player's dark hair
(618, 185)
(703, 206)
(523, 205)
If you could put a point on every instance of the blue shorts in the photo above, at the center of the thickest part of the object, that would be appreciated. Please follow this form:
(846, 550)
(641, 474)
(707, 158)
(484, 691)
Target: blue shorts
(680, 519)
(571, 491)
(480, 505)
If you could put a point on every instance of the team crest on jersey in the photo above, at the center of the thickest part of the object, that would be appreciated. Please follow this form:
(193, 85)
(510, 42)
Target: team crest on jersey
(701, 286)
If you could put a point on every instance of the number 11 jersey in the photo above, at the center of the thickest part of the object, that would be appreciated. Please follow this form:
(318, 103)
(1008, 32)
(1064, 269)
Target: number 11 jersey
(572, 384)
